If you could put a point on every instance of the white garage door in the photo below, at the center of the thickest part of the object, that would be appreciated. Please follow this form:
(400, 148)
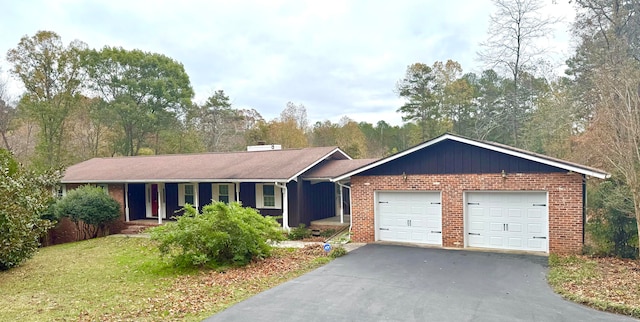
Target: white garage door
(414, 217)
(507, 220)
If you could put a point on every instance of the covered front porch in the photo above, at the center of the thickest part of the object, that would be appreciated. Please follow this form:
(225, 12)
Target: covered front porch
(293, 203)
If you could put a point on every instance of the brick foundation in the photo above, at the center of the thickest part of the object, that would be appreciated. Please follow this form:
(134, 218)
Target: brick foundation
(564, 193)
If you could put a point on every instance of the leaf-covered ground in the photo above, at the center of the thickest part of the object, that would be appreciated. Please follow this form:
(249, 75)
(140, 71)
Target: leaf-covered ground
(123, 279)
(609, 284)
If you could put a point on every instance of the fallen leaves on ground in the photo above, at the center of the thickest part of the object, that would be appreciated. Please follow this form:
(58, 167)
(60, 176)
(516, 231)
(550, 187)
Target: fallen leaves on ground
(611, 284)
(213, 291)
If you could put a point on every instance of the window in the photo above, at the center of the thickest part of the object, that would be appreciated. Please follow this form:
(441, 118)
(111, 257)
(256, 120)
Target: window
(187, 194)
(60, 191)
(268, 196)
(224, 192)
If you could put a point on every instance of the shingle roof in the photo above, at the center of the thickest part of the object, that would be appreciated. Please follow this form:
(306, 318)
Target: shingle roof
(261, 166)
(333, 168)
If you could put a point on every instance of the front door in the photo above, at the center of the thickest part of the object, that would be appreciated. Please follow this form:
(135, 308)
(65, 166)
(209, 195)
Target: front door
(155, 200)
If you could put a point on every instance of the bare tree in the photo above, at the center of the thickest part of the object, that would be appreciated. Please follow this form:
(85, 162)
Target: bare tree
(607, 73)
(513, 47)
(7, 114)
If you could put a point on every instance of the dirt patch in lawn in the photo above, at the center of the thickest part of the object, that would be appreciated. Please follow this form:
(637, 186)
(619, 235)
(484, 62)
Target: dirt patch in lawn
(609, 284)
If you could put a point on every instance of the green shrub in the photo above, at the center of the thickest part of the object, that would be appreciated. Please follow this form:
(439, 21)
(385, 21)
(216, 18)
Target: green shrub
(223, 234)
(612, 224)
(337, 252)
(300, 232)
(90, 208)
(24, 196)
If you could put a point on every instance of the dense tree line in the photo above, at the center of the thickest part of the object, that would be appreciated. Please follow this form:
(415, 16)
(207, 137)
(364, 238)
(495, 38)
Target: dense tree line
(81, 103)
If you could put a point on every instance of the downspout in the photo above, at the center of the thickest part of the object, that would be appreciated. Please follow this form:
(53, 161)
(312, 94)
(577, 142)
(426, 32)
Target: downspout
(285, 205)
(126, 202)
(584, 207)
(350, 204)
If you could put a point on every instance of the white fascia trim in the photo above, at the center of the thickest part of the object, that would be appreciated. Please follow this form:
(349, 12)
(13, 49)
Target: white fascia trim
(178, 181)
(478, 144)
(318, 161)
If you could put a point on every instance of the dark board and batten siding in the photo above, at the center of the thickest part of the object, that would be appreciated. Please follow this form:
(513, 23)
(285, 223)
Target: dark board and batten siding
(452, 157)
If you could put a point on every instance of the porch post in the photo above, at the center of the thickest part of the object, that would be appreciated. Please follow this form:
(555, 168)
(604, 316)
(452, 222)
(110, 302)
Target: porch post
(341, 204)
(350, 204)
(159, 205)
(285, 205)
(196, 192)
(237, 184)
(126, 202)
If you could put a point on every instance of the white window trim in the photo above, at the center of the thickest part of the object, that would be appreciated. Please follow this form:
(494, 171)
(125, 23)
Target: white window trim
(181, 195)
(215, 188)
(260, 198)
(59, 191)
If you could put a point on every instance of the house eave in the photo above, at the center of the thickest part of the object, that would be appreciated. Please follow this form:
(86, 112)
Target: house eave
(568, 167)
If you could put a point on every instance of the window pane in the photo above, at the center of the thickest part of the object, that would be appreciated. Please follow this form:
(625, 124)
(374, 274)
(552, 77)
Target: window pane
(224, 199)
(188, 194)
(267, 190)
(268, 193)
(224, 190)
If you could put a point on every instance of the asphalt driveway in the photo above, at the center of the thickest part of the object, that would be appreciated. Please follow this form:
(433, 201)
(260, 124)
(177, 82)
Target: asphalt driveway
(399, 283)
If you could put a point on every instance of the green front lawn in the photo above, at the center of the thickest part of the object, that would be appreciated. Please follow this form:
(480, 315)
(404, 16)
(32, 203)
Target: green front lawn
(119, 278)
(608, 284)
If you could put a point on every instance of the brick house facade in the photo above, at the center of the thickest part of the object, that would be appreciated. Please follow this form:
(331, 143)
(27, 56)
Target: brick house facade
(564, 193)
(531, 202)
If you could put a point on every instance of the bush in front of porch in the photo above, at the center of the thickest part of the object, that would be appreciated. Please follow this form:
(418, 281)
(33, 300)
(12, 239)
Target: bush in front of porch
(223, 234)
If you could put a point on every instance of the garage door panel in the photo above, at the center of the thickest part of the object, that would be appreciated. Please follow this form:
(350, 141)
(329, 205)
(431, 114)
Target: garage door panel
(535, 228)
(507, 220)
(496, 241)
(515, 242)
(515, 213)
(410, 216)
(515, 228)
(536, 213)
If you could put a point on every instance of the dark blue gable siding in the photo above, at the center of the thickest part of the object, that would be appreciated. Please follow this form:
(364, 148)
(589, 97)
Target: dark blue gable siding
(452, 157)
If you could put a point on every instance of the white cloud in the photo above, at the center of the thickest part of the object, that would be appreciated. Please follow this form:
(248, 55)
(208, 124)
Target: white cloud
(336, 57)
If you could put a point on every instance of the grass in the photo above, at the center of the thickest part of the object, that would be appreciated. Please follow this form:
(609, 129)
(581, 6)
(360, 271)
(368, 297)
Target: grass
(607, 284)
(125, 279)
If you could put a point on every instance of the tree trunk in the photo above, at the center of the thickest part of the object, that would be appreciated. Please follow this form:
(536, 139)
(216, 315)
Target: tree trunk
(636, 207)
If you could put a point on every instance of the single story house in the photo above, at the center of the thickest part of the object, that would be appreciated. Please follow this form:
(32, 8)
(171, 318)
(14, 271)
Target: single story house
(282, 183)
(450, 191)
(457, 192)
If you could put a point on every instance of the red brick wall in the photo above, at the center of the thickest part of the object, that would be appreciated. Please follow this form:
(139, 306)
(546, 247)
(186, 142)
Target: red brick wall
(564, 193)
(65, 231)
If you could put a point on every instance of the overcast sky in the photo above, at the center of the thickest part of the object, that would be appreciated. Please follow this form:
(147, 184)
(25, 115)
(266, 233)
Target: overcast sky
(337, 58)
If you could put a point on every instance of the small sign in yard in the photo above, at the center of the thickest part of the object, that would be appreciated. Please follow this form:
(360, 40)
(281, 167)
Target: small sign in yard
(327, 247)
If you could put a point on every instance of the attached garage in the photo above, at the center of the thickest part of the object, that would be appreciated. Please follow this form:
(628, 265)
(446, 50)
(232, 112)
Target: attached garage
(409, 216)
(507, 220)
(462, 193)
